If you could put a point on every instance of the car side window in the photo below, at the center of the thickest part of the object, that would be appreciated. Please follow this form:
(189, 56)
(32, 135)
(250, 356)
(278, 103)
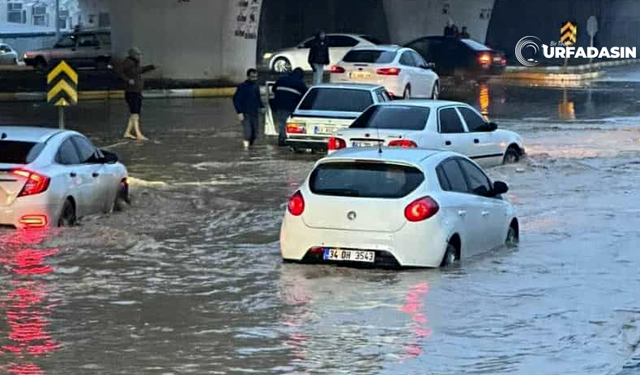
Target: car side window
(85, 148)
(66, 42)
(382, 96)
(450, 121)
(341, 41)
(453, 174)
(418, 59)
(67, 154)
(474, 121)
(5, 49)
(406, 59)
(477, 181)
(87, 41)
(442, 178)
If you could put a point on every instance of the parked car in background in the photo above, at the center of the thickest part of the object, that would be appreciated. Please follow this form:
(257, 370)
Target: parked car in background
(433, 124)
(327, 109)
(87, 48)
(51, 177)
(402, 71)
(296, 57)
(396, 208)
(8, 56)
(462, 58)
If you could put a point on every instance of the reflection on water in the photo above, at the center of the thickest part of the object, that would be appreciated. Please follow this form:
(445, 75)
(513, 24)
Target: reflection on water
(26, 304)
(566, 108)
(483, 100)
(414, 307)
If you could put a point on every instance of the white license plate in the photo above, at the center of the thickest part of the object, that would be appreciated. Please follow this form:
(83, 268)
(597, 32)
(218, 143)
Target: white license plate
(364, 144)
(323, 130)
(349, 255)
(360, 75)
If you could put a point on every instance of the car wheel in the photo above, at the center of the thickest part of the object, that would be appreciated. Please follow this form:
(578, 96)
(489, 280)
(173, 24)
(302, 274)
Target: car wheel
(450, 256)
(407, 92)
(512, 237)
(40, 63)
(511, 156)
(68, 214)
(122, 197)
(282, 65)
(435, 92)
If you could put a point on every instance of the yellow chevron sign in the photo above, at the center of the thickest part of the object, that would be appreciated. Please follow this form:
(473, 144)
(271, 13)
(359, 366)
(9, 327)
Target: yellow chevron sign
(62, 84)
(569, 34)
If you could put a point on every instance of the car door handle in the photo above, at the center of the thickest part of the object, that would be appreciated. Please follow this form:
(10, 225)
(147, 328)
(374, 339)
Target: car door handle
(95, 174)
(462, 213)
(476, 141)
(73, 174)
(448, 143)
(485, 213)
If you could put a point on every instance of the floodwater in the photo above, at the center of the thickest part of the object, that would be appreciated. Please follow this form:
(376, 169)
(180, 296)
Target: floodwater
(189, 280)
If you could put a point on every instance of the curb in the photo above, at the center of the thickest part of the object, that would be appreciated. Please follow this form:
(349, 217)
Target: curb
(220, 92)
(571, 69)
(552, 77)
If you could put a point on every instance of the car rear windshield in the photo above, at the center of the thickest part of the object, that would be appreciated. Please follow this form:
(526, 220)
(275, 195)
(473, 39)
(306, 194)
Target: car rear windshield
(16, 152)
(336, 99)
(475, 45)
(371, 39)
(365, 179)
(393, 117)
(370, 56)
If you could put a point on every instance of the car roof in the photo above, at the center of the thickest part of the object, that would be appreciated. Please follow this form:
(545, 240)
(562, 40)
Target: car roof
(347, 85)
(424, 103)
(379, 47)
(389, 154)
(27, 133)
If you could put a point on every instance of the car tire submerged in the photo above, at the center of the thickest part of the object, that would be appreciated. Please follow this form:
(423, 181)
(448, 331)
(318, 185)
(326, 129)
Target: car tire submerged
(282, 65)
(68, 214)
(450, 256)
(435, 92)
(511, 156)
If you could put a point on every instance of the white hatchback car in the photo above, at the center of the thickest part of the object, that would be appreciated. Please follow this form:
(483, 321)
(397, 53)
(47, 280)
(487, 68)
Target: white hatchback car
(396, 208)
(433, 124)
(326, 109)
(402, 71)
(52, 177)
(288, 59)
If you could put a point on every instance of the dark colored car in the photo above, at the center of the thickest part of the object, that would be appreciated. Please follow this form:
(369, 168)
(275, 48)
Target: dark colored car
(79, 49)
(462, 58)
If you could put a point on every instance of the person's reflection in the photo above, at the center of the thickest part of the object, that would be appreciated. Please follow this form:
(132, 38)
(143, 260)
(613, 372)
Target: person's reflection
(26, 304)
(483, 101)
(414, 306)
(566, 109)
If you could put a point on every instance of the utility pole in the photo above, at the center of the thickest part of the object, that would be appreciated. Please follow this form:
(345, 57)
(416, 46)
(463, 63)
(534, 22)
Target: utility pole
(57, 20)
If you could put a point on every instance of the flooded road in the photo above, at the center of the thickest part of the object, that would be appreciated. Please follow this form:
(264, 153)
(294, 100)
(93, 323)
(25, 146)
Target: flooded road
(189, 279)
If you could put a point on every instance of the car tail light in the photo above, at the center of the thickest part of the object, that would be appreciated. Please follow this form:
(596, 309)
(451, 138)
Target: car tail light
(404, 143)
(337, 69)
(296, 204)
(316, 250)
(336, 144)
(503, 61)
(388, 71)
(296, 128)
(421, 209)
(36, 183)
(484, 59)
(34, 221)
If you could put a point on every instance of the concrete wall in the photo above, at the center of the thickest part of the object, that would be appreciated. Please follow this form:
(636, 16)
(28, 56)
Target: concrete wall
(410, 19)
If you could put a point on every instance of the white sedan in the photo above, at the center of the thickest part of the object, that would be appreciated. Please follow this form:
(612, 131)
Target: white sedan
(433, 124)
(53, 177)
(288, 59)
(396, 208)
(8, 56)
(402, 71)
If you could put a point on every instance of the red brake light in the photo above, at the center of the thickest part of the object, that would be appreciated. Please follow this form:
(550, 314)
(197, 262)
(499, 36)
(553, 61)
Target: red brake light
(295, 128)
(404, 143)
(388, 71)
(34, 221)
(484, 59)
(336, 143)
(36, 183)
(421, 209)
(503, 62)
(337, 69)
(296, 204)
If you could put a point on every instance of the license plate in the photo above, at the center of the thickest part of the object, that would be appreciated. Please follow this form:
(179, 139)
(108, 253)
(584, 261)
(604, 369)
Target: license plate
(364, 144)
(323, 130)
(360, 75)
(497, 59)
(349, 255)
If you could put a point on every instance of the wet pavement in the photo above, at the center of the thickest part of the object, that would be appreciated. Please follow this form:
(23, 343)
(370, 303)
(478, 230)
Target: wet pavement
(189, 279)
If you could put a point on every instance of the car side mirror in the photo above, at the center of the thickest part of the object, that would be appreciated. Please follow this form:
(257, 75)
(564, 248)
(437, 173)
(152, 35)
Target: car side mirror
(430, 65)
(499, 188)
(493, 126)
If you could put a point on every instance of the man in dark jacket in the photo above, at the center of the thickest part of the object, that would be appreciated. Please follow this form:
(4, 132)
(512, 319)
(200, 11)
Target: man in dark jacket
(131, 72)
(318, 56)
(248, 105)
(288, 90)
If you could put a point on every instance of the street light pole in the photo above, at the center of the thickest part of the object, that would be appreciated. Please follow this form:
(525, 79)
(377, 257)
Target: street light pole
(57, 19)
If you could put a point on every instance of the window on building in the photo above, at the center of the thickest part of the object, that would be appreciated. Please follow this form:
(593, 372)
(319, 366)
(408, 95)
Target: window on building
(104, 20)
(40, 15)
(15, 13)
